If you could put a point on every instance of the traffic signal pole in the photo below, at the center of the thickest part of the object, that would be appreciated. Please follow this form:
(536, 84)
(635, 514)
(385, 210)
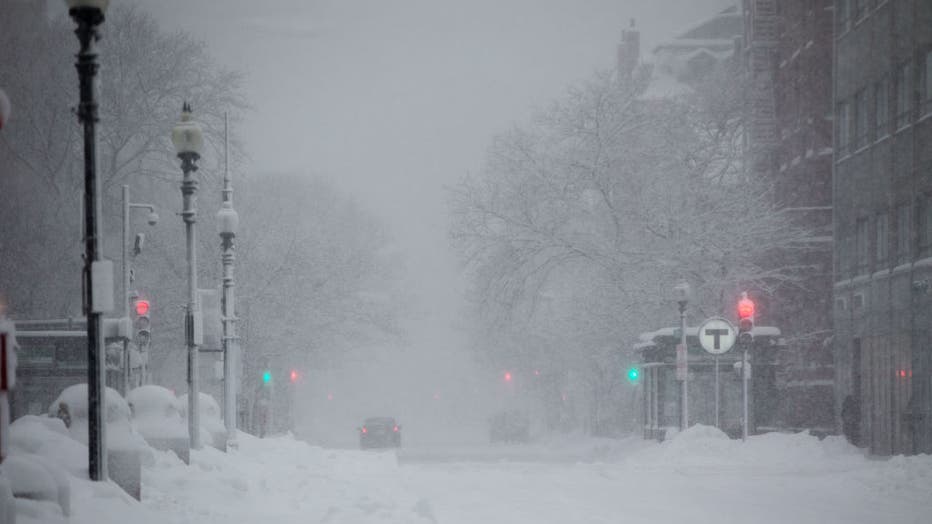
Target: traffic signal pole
(685, 382)
(717, 395)
(744, 381)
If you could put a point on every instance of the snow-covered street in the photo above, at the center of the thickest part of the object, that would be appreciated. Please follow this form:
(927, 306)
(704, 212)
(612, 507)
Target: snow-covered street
(699, 476)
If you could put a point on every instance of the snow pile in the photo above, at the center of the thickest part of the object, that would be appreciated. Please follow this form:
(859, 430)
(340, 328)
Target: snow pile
(209, 409)
(281, 480)
(49, 438)
(157, 413)
(708, 447)
(47, 470)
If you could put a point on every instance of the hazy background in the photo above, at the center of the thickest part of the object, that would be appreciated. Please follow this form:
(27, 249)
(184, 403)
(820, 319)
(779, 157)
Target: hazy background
(393, 100)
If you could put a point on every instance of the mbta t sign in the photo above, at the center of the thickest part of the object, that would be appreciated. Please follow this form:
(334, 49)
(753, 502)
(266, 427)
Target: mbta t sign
(717, 336)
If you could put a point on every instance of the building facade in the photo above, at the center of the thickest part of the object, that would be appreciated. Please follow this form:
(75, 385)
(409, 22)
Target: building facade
(882, 189)
(787, 59)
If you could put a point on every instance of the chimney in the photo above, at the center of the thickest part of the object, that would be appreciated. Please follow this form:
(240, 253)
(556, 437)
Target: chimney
(629, 51)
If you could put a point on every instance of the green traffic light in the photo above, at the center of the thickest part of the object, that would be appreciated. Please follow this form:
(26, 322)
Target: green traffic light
(266, 377)
(633, 374)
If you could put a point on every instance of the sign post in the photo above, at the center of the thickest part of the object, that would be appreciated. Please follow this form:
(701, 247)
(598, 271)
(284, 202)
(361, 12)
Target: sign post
(717, 336)
(680, 362)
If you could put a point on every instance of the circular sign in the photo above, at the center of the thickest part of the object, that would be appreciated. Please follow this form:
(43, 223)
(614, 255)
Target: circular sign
(717, 336)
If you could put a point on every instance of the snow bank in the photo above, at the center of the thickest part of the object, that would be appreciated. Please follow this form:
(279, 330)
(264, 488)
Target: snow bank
(157, 413)
(211, 418)
(706, 446)
(48, 437)
(47, 470)
(282, 480)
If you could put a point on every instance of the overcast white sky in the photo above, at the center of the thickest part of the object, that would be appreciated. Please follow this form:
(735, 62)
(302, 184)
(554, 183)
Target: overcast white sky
(394, 99)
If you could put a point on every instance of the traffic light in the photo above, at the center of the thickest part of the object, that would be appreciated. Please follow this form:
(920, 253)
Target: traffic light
(508, 376)
(266, 377)
(634, 374)
(141, 307)
(745, 320)
(294, 376)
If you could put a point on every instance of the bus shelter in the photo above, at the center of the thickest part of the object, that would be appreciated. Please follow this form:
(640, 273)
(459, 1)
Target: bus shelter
(661, 393)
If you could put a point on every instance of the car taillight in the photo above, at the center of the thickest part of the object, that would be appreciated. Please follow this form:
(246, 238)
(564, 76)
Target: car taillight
(364, 430)
(396, 429)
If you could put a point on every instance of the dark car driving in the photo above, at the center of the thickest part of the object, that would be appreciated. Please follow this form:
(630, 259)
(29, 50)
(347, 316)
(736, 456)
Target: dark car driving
(509, 426)
(380, 432)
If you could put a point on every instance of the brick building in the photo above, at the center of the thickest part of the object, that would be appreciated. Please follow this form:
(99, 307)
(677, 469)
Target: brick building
(787, 58)
(883, 220)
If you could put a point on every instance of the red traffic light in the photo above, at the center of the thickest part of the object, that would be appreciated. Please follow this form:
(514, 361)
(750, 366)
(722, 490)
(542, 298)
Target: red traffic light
(142, 307)
(508, 376)
(745, 308)
(294, 375)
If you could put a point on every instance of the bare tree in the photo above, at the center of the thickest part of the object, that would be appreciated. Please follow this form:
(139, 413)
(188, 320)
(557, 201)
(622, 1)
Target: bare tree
(602, 203)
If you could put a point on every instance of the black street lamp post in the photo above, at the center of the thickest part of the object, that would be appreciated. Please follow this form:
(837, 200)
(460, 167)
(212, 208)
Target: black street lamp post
(89, 14)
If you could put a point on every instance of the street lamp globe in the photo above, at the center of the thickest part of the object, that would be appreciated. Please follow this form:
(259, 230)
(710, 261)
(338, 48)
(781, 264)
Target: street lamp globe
(187, 135)
(682, 293)
(88, 11)
(4, 109)
(227, 219)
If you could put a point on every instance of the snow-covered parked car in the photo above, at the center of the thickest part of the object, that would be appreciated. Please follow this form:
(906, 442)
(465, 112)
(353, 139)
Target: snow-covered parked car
(213, 431)
(158, 416)
(71, 407)
(42, 454)
(124, 445)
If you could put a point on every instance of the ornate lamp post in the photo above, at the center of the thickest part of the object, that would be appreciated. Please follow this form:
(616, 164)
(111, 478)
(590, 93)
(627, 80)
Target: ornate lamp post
(89, 14)
(189, 140)
(682, 292)
(227, 222)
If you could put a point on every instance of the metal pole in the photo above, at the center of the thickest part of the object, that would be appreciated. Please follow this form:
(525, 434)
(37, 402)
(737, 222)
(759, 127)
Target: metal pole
(717, 394)
(744, 380)
(230, 346)
(685, 384)
(126, 305)
(189, 215)
(88, 19)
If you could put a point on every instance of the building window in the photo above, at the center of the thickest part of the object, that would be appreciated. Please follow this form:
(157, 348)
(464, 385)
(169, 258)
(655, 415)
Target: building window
(844, 129)
(883, 238)
(927, 84)
(903, 222)
(882, 108)
(903, 96)
(860, 119)
(861, 247)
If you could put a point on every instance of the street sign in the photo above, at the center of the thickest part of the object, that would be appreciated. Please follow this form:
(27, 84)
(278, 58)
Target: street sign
(680, 362)
(717, 336)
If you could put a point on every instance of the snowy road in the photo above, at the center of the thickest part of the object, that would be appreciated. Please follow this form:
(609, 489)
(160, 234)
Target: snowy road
(695, 478)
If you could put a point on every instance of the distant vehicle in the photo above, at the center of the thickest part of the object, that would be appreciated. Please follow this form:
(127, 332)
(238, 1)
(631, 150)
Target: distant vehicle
(380, 432)
(509, 426)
